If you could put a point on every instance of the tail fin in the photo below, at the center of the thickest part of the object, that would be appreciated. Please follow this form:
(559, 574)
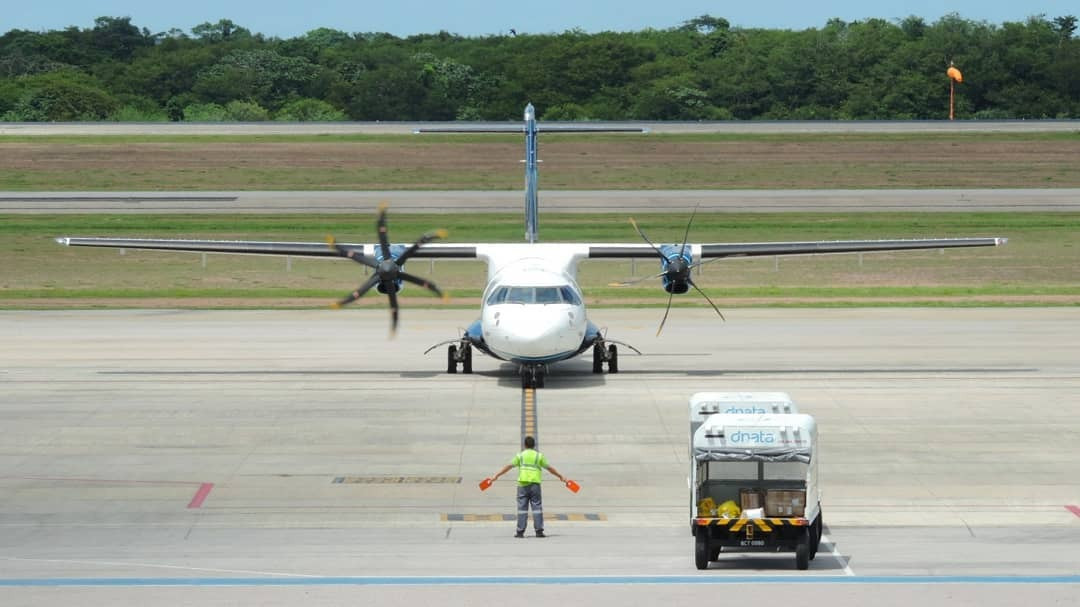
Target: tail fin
(532, 203)
(532, 129)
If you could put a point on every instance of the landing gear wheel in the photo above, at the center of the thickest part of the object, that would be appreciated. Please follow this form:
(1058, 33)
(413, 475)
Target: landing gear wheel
(613, 359)
(451, 359)
(466, 359)
(802, 552)
(532, 376)
(598, 359)
(702, 550)
(815, 536)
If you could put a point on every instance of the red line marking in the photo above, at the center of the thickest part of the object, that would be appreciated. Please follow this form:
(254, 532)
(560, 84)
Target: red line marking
(200, 495)
(1074, 509)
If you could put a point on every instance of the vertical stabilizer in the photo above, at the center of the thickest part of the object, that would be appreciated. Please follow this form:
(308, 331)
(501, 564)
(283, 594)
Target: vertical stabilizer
(531, 202)
(532, 129)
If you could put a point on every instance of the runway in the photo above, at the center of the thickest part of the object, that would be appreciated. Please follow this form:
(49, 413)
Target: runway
(555, 201)
(403, 128)
(285, 457)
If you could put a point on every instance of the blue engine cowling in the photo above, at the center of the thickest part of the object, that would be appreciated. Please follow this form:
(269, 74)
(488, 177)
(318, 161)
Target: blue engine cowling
(672, 253)
(395, 251)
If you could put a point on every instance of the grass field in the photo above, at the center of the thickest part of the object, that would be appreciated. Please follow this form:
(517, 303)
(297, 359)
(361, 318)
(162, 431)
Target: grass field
(476, 162)
(1039, 266)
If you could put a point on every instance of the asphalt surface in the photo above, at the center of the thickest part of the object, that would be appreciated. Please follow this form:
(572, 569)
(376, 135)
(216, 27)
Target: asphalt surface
(301, 457)
(556, 201)
(389, 128)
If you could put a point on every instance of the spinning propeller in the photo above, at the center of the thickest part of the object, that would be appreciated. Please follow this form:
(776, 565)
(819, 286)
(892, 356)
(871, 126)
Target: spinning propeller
(388, 274)
(676, 274)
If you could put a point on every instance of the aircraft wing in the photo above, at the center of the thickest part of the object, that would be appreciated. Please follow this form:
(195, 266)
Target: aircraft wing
(755, 249)
(254, 247)
(595, 250)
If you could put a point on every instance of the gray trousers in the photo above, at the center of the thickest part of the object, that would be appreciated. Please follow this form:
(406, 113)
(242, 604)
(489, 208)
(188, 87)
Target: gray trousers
(529, 495)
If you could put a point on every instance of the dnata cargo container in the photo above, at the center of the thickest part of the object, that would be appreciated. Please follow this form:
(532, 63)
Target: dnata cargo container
(755, 486)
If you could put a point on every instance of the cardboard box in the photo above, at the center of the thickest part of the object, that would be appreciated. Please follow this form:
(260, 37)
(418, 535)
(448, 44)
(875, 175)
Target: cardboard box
(785, 503)
(750, 498)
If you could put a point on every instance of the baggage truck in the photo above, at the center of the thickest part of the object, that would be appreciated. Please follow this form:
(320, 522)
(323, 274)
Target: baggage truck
(704, 404)
(755, 486)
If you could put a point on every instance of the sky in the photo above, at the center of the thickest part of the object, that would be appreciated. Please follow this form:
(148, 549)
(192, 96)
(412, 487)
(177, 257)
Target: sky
(489, 17)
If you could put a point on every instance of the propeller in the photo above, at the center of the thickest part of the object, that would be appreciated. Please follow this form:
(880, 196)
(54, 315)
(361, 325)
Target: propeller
(676, 272)
(386, 267)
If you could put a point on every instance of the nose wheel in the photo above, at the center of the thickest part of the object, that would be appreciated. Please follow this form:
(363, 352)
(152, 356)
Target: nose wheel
(459, 355)
(601, 355)
(532, 376)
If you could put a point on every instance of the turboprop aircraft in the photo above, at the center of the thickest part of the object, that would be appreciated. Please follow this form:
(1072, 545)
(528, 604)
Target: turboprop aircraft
(532, 312)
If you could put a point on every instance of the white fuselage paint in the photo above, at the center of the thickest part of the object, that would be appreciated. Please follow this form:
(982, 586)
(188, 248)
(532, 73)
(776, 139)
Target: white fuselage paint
(542, 316)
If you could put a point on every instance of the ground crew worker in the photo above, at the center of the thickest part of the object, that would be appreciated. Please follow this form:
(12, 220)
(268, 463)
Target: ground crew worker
(529, 464)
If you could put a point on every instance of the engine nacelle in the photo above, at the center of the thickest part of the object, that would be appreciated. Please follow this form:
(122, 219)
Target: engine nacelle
(676, 268)
(395, 251)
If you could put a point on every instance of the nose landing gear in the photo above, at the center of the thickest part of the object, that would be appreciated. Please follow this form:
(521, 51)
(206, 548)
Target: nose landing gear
(532, 376)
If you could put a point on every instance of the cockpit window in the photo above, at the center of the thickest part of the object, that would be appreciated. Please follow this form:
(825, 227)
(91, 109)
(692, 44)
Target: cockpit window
(534, 295)
(569, 296)
(497, 296)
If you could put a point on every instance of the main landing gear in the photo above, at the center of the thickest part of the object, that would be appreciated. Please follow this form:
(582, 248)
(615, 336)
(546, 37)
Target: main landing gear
(459, 355)
(601, 355)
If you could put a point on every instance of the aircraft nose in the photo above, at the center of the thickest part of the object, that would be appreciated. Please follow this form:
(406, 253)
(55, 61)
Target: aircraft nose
(536, 336)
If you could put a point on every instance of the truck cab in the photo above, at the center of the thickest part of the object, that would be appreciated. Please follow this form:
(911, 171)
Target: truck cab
(754, 486)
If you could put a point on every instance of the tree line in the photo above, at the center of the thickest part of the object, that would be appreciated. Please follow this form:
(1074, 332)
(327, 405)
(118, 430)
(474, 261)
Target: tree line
(703, 69)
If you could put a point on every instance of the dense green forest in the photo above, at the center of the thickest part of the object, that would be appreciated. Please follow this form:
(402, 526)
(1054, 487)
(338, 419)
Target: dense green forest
(702, 70)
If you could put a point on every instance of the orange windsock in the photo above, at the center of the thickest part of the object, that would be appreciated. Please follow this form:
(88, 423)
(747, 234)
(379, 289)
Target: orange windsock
(955, 74)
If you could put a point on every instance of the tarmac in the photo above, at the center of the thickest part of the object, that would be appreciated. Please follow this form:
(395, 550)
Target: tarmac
(302, 457)
(553, 201)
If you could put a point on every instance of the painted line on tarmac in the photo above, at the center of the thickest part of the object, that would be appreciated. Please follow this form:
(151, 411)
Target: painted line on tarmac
(538, 580)
(200, 495)
(839, 557)
(530, 426)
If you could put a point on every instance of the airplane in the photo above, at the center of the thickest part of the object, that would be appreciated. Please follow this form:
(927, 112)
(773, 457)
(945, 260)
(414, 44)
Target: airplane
(532, 311)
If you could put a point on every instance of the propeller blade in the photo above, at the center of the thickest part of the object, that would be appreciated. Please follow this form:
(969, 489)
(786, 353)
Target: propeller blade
(686, 234)
(646, 239)
(708, 300)
(664, 319)
(423, 240)
(384, 241)
(393, 310)
(352, 254)
(359, 292)
(427, 284)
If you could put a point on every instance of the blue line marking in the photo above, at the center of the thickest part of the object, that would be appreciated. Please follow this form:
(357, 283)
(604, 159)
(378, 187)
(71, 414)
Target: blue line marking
(518, 580)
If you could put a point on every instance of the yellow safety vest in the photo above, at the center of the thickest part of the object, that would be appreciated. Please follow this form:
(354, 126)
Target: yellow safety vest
(529, 464)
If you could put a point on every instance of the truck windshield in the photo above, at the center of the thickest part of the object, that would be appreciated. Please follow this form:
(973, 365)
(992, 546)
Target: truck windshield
(785, 471)
(733, 470)
(769, 471)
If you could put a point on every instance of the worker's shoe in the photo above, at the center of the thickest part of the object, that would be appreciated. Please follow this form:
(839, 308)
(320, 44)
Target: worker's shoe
(540, 533)
(519, 534)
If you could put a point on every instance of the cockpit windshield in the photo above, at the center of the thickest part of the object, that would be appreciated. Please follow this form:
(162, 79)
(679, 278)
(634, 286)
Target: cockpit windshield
(534, 295)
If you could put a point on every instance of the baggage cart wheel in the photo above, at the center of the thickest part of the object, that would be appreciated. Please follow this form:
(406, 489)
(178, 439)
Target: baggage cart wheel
(802, 552)
(701, 551)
